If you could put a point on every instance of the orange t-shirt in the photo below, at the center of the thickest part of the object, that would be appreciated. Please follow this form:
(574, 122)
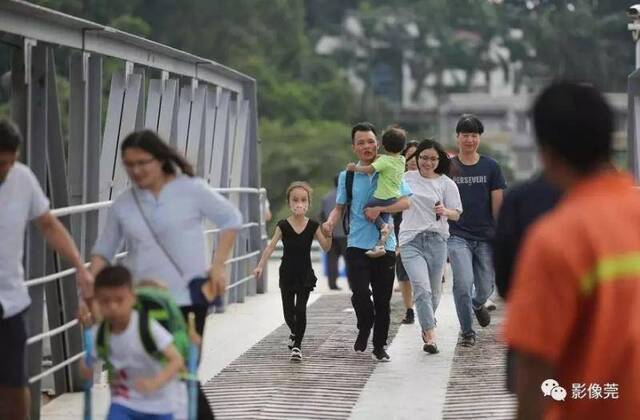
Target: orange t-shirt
(576, 299)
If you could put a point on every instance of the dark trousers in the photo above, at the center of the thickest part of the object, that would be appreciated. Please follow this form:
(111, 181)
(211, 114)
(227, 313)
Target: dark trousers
(294, 307)
(378, 273)
(338, 248)
(205, 412)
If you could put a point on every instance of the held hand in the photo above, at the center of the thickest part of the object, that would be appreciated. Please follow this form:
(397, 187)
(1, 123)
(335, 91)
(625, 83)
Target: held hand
(257, 273)
(146, 385)
(84, 315)
(372, 213)
(85, 282)
(327, 228)
(351, 166)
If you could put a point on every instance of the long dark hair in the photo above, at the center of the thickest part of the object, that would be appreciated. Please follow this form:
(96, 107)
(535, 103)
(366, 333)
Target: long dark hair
(149, 141)
(444, 163)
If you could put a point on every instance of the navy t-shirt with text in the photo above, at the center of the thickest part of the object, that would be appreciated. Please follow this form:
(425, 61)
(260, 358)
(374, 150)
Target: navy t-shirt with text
(475, 183)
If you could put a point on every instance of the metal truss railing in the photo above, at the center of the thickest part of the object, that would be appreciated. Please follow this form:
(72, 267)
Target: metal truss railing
(65, 273)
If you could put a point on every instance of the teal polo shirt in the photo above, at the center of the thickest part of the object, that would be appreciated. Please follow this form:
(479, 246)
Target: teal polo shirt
(363, 233)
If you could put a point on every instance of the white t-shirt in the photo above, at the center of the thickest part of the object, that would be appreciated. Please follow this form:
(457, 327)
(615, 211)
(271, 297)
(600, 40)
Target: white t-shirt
(176, 216)
(421, 216)
(131, 361)
(21, 200)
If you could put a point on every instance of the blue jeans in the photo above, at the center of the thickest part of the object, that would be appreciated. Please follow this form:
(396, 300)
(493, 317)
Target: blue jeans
(424, 258)
(471, 264)
(120, 412)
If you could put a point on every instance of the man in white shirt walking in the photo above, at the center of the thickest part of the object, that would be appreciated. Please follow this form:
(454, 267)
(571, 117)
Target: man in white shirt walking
(22, 200)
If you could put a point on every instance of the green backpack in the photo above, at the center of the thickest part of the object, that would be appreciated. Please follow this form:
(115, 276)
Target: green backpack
(152, 304)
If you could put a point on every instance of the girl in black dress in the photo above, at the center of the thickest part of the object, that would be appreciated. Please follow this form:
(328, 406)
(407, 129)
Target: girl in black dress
(297, 278)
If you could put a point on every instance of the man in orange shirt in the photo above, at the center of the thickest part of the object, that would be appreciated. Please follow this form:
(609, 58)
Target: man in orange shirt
(572, 314)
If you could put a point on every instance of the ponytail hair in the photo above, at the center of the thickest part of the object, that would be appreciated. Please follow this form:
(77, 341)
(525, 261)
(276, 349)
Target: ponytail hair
(151, 143)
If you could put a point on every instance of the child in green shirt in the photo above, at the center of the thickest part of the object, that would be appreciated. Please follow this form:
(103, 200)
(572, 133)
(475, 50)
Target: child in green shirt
(390, 167)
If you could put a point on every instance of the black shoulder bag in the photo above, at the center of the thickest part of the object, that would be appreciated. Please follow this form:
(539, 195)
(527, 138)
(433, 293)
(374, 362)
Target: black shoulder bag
(346, 212)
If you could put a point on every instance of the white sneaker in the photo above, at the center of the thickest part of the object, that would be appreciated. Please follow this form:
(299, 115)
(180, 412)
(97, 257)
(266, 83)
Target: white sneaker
(296, 354)
(490, 305)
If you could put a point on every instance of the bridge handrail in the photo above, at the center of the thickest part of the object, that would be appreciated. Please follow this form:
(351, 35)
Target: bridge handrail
(83, 208)
(64, 211)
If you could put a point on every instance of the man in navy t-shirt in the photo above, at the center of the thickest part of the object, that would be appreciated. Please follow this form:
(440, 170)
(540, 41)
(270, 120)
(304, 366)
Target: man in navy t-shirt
(481, 184)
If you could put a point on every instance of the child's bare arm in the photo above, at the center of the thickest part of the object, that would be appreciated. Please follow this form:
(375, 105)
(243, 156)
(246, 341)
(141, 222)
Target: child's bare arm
(367, 169)
(267, 253)
(324, 241)
(174, 364)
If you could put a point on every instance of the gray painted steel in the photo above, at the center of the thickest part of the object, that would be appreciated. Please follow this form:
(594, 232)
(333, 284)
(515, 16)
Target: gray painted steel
(36, 135)
(35, 22)
(212, 117)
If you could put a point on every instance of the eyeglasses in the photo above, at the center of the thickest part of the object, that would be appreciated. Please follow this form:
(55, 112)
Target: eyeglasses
(133, 165)
(431, 159)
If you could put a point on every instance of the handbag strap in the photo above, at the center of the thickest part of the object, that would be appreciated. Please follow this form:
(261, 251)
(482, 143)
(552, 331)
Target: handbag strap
(153, 233)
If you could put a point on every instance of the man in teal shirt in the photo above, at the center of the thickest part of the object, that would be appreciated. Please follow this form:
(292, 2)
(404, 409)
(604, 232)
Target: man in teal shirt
(364, 272)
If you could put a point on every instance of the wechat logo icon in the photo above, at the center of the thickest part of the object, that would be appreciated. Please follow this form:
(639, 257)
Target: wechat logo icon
(551, 388)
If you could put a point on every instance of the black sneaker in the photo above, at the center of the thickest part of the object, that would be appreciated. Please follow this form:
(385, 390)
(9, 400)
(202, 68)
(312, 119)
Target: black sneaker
(361, 341)
(483, 316)
(296, 354)
(410, 317)
(431, 348)
(292, 340)
(380, 355)
(468, 340)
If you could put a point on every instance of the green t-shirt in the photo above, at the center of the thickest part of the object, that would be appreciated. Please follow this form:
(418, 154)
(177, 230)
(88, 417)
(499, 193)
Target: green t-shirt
(391, 169)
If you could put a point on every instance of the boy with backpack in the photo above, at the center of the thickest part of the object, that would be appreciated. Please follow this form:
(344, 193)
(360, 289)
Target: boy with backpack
(140, 355)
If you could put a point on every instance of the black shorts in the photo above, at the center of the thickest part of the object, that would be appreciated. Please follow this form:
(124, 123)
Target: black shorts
(401, 273)
(13, 355)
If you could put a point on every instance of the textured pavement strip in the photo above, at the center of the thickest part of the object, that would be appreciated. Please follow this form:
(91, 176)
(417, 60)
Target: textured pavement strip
(263, 383)
(476, 387)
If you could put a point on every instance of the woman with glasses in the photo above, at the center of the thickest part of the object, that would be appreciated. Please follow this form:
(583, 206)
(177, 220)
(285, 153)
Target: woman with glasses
(424, 232)
(160, 218)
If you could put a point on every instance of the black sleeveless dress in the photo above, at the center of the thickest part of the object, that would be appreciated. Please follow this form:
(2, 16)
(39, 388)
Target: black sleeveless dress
(296, 272)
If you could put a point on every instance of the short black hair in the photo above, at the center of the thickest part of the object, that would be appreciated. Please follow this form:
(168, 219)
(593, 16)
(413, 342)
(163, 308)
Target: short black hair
(113, 276)
(469, 123)
(394, 139)
(10, 137)
(444, 162)
(574, 121)
(362, 126)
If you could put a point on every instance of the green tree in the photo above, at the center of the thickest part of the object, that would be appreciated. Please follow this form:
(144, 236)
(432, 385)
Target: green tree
(313, 151)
